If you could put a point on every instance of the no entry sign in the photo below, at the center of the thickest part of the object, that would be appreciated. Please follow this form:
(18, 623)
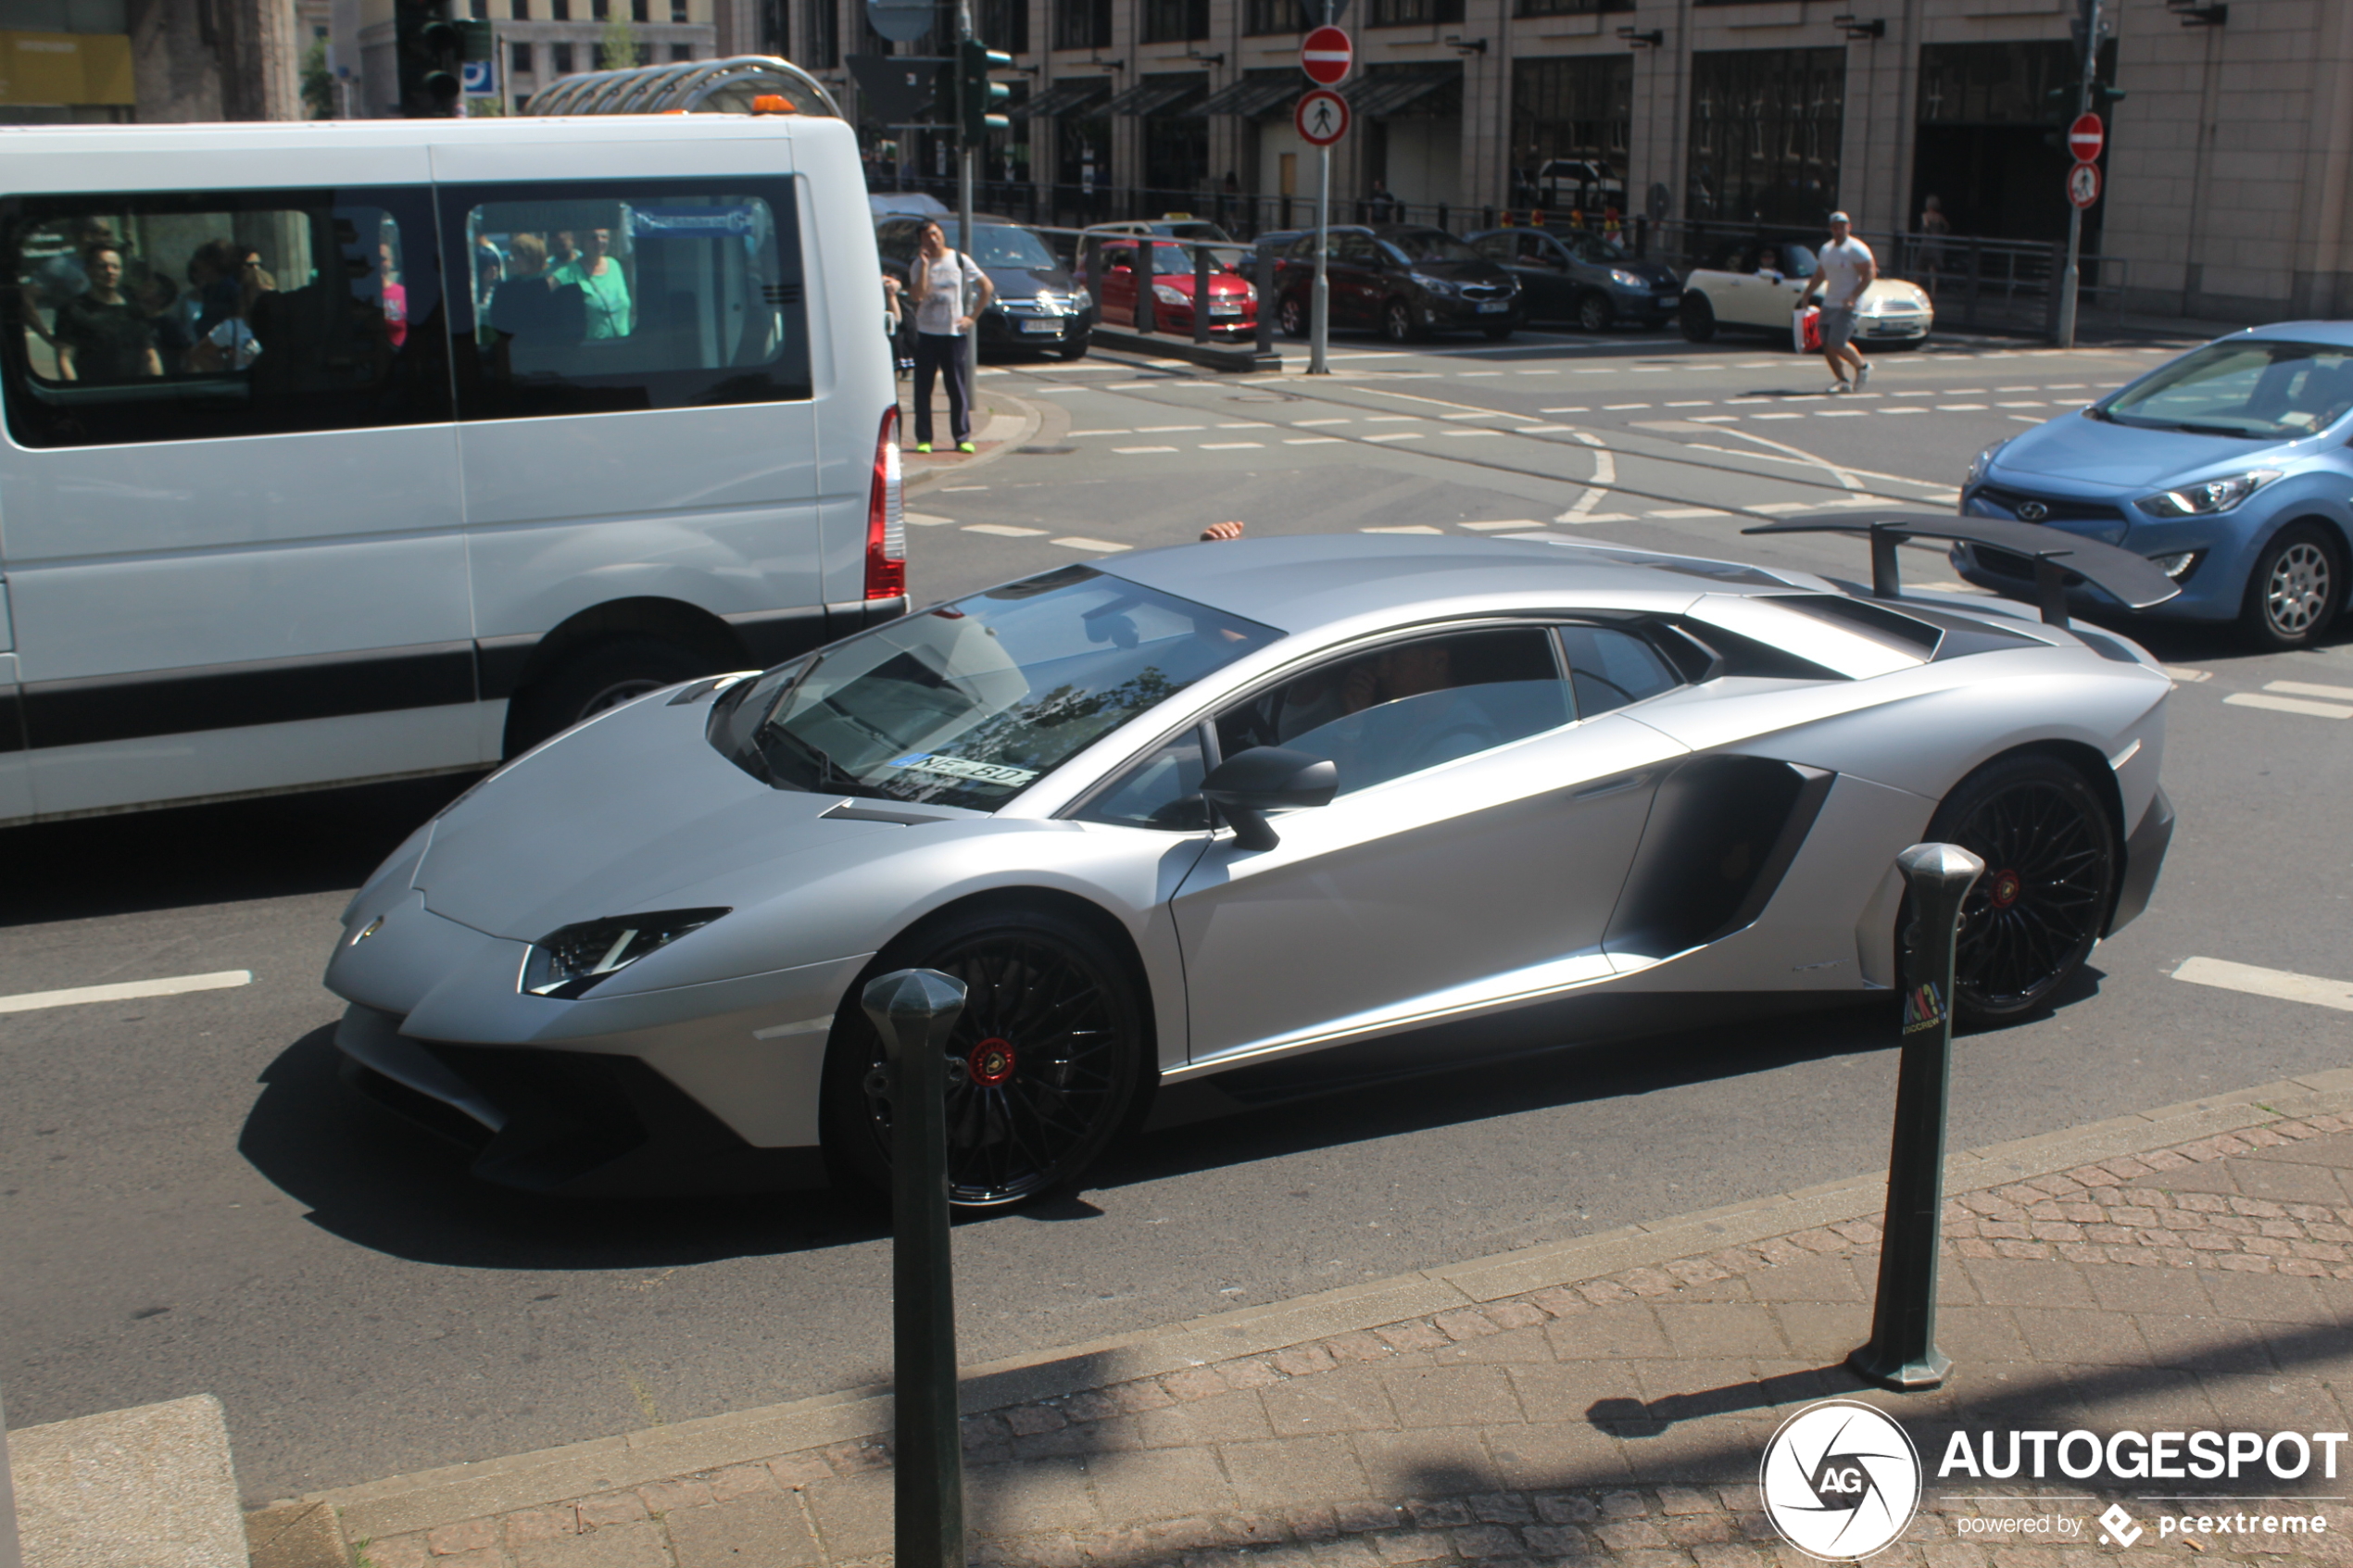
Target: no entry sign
(2086, 137)
(2084, 183)
(1325, 56)
(1321, 117)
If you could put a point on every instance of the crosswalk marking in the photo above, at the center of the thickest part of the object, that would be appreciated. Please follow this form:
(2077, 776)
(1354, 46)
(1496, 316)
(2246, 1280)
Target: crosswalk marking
(2289, 705)
(2285, 984)
(1079, 542)
(126, 991)
(2306, 688)
(1233, 446)
(1003, 530)
(1132, 451)
(1314, 440)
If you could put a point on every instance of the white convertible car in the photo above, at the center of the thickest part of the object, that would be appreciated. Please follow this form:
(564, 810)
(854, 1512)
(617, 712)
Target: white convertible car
(1756, 283)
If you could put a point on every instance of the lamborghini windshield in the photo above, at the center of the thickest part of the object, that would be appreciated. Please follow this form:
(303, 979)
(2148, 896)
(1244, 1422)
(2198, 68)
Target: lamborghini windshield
(970, 703)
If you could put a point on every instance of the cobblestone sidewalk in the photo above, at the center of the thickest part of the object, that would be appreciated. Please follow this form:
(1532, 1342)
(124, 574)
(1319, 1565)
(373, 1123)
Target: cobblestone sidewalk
(1619, 1418)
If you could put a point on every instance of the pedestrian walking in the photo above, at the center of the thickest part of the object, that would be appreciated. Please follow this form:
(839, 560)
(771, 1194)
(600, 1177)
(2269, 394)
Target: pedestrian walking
(1384, 205)
(1845, 270)
(950, 291)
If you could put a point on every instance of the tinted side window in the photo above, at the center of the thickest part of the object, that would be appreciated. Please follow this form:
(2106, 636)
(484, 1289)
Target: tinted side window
(1411, 706)
(604, 296)
(180, 316)
(1610, 668)
(1162, 790)
(1495, 247)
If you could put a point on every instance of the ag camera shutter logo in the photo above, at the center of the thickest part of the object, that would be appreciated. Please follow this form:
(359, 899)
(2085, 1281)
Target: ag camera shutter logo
(1841, 1480)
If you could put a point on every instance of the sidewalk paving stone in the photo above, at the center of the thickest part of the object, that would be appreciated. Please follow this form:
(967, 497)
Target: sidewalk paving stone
(1618, 1419)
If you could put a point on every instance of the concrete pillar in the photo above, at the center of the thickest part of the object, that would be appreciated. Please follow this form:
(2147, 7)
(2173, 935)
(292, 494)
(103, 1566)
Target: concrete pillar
(235, 59)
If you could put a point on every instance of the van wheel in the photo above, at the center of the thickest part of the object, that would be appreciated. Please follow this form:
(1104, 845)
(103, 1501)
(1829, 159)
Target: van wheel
(592, 680)
(1698, 317)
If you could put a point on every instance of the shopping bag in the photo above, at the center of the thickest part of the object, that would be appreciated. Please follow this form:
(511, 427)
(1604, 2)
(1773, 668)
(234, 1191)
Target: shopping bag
(1805, 329)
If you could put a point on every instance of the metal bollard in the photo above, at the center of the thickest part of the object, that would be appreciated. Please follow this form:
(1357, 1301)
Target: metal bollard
(1903, 1352)
(1201, 295)
(914, 1010)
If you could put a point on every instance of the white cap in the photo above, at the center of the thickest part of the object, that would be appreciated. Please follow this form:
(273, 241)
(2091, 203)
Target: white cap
(1841, 218)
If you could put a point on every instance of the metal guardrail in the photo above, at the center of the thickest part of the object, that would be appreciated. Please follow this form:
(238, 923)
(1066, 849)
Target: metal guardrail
(1977, 283)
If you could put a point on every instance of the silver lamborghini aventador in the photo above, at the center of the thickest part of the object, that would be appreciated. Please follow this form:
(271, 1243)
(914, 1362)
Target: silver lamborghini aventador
(1272, 815)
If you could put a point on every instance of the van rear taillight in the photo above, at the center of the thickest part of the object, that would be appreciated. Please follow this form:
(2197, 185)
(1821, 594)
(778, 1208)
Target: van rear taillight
(886, 518)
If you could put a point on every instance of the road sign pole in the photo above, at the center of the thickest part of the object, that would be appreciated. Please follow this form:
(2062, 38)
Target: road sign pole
(1320, 317)
(968, 159)
(2068, 279)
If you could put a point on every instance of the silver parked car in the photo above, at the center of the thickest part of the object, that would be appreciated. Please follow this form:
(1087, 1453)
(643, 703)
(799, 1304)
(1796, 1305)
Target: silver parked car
(1266, 813)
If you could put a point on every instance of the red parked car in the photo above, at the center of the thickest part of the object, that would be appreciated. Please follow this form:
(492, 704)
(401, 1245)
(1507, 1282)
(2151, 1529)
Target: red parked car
(1233, 302)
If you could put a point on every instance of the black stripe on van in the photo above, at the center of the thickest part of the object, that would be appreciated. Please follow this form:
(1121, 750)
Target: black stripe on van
(226, 696)
(11, 722)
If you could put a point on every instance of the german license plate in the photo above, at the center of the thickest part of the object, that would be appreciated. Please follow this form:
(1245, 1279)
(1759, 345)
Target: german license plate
(1670, 298)
(1034, 325)
(1224, 309)
(1493, 306)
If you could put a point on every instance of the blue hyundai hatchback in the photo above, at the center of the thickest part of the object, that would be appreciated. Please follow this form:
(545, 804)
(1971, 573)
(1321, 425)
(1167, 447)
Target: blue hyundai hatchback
(2228, 467)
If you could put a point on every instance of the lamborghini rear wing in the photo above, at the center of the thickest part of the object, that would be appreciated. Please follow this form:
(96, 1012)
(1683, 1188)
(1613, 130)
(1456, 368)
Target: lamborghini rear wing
(2059, 559)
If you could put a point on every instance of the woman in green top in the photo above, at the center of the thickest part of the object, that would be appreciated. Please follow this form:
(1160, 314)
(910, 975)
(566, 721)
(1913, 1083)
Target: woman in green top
(600, 281)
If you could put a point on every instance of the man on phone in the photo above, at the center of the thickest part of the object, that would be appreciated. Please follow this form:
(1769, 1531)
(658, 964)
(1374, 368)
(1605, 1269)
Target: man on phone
(943, 278)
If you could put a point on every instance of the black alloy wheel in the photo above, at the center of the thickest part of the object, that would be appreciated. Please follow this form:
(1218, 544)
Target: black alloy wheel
(1698, 319)
(1397, 322)
(2050, 854)
(1594, 312)
(2296, 590)
(1292, 316)
(1044, 1064)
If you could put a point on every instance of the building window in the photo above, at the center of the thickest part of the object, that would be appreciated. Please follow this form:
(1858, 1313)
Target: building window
(1765, 134)
(820, 35)
(1004, 24)
(1082, 24)
(640, 10)
(1175, 21)
(523, 102)
(559, 60)
(1413, 13)
(478, 10)
(519, 10)
(1571, 118)
(600, 11)
(1569, 8)
(678, 11)
(681, 53)
(560, 9)
(1263, 16)
(519, 58)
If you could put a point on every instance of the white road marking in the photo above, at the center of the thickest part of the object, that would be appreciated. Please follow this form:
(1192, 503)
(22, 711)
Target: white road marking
(1911, 395)
(1777, 416)
(1688, 511)
(1542, 429)
(1842, 413)
(1511, 522)
(1392, 419)
(1548, 372)
(2023, 418)
(1607, 372)
(2283, 984)
(1589, 516)
(1900, 410)
(1467, 433)
(1701, 402)
(951, 489)
(2018, 389)
(1132, 451)
(125, 991)
(925, 520)
(2306, 688)
(1402, 436)
(2289, 705)
(1120, 432)
(1248, 424)
(1162, 430)
(1233, 446)
(2183, 675)
(1580, 409)
(1078, 542)
(1003, 530)
(1052, 389)
(2022, 405)
(1405, 528)
(1314, 440)
(1465, 375)
(1715, 419)
(1305, 424)
(1613, 407)
(1960, 407)
(1786, 507)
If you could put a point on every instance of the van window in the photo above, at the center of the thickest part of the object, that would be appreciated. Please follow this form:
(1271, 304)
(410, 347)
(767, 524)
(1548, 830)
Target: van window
(188, 316)
(607, 297)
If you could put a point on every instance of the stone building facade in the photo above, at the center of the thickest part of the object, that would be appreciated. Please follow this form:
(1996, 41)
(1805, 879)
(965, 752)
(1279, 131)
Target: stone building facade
(104, 61)
(2228, 173)
(541, 40)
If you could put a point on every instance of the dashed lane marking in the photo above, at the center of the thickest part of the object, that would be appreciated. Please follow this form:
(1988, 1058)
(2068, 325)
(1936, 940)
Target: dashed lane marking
(1401, 435)
(2289, 705)
(1121, 432)
(1314, 440)
(1404, 528)
(1960, 407)
(1247, 425)
(2285, 984)
(1162, 430)
(1134, 451)
(2183, 675)
(1233, 446)
(1580, 409)
(1544, 430)
(927, 519)
(1003, 530)
(126, 991)
(1079, 542)
(1509, 522)
(1471, 432)
(2306, 688)
(1307, 424)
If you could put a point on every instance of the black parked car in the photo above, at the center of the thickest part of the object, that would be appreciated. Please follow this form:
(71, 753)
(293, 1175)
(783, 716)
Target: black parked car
(1580, 277)
(1405, 280)
(1039, 303)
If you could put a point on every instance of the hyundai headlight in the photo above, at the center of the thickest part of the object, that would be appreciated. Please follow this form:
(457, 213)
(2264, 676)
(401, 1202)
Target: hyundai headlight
(1626, 280)
(569, 962)
(2207, 497)
(1984, 462)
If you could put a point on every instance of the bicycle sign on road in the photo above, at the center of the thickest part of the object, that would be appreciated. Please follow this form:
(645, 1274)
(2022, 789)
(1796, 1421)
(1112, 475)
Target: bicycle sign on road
(1325, 55)
(1321, 117)
(2083, 184)
(2086, 137)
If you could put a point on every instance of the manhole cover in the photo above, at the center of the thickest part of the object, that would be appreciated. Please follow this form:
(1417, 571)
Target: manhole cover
(1046, 451)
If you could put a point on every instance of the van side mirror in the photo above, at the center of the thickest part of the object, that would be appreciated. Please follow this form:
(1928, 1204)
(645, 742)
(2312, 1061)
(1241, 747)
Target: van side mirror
(1268, 778)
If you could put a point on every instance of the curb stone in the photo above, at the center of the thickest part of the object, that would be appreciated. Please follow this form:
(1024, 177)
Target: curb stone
(2008, 1200)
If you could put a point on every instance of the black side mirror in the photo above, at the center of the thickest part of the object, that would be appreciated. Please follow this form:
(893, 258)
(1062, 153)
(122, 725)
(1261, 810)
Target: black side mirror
(1267, 778)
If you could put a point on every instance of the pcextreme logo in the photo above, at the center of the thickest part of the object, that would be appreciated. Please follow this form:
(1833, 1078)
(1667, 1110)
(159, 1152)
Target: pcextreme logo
(1841, 1480)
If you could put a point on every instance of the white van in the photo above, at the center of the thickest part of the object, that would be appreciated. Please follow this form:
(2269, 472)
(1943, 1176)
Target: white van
(353, 450)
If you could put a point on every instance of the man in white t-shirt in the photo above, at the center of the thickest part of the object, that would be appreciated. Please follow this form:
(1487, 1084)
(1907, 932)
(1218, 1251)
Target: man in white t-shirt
(949, 291)
(1842, 271)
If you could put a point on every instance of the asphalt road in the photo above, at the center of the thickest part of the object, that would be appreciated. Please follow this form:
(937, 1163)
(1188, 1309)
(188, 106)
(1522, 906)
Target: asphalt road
(188, 1202)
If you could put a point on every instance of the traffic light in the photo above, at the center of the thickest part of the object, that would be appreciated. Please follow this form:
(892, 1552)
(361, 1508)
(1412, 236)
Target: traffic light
(429, 49)
(977, 97)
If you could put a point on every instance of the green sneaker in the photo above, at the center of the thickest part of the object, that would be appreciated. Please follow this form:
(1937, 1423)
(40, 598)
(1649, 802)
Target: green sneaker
(966, 446)
(923, 446)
